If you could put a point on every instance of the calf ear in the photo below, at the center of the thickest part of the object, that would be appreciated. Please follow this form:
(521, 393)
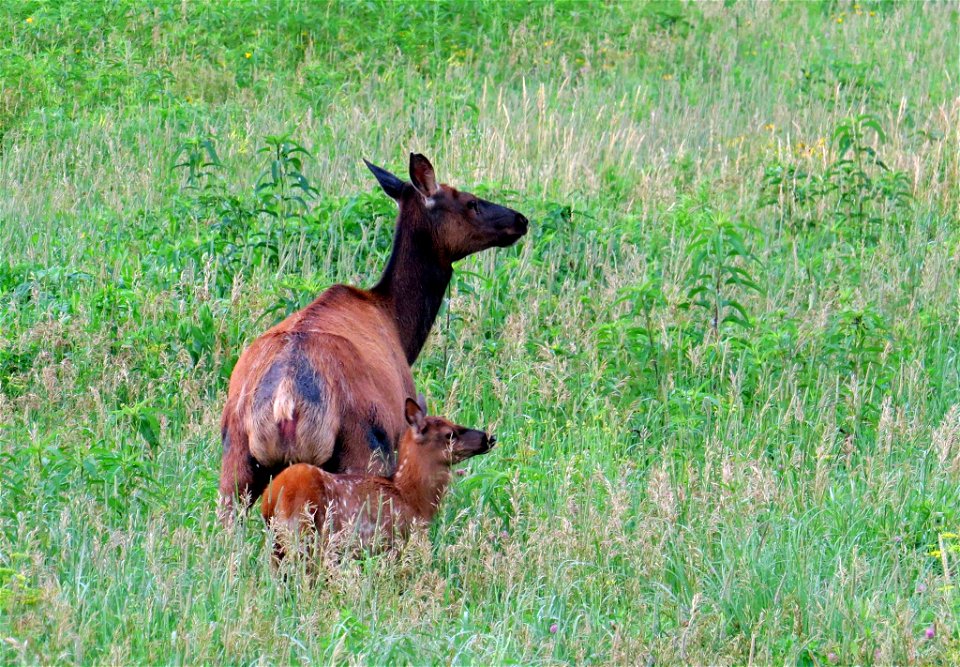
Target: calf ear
(392, 185)
(415, 415)
(422, 175)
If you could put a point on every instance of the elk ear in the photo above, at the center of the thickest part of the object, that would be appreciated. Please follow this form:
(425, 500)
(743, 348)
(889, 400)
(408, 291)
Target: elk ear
(416, 416)
(422, 175)
(422, 402)
(392, 185)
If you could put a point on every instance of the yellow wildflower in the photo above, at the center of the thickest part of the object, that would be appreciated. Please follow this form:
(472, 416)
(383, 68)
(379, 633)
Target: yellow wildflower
(29, 19)
(769, 127)
(873, 13)
(248, 55)
(667, 77)
(549, 42)
(839, 19)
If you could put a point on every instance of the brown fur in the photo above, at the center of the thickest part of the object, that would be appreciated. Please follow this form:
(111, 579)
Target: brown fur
(379, 510)
(327, 385)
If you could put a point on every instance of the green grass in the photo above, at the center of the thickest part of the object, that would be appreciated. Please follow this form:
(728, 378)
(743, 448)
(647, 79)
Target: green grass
(724, 365)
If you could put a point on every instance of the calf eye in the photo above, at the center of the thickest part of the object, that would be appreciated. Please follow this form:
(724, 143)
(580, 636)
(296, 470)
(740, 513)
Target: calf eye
(472, 205)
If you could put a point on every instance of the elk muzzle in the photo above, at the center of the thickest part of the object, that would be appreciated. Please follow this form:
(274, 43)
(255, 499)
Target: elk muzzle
(471, 443)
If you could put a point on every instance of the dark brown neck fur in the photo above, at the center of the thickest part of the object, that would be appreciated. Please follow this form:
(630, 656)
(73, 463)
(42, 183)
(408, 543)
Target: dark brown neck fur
(413, 283)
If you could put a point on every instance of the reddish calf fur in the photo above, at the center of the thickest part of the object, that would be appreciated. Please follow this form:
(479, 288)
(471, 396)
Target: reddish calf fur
(327, 385)
(379, 509)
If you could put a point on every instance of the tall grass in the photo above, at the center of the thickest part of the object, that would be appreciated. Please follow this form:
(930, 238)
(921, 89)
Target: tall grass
(723, 365)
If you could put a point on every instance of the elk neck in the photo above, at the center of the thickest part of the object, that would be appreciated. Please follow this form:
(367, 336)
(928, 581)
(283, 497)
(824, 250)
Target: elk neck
(413, 285)
(419, 483)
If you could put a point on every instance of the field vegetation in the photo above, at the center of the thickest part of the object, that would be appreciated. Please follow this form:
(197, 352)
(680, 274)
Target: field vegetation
(723, 366)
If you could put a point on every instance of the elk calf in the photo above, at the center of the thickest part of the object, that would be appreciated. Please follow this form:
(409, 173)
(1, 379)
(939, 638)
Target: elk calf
(379, 510)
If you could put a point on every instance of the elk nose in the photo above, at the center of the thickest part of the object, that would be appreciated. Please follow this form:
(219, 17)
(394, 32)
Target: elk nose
(521, 223)
(491, 441)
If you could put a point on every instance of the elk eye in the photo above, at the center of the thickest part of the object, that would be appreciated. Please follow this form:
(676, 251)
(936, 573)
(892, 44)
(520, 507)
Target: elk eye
(472, 205)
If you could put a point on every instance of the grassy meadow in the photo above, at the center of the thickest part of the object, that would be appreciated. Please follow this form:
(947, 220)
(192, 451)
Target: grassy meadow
(723, 366)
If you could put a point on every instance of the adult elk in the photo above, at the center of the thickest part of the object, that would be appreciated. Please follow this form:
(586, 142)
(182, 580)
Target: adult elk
(327, 385)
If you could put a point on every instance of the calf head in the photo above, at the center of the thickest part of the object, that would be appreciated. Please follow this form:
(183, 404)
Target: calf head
(439, 441)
